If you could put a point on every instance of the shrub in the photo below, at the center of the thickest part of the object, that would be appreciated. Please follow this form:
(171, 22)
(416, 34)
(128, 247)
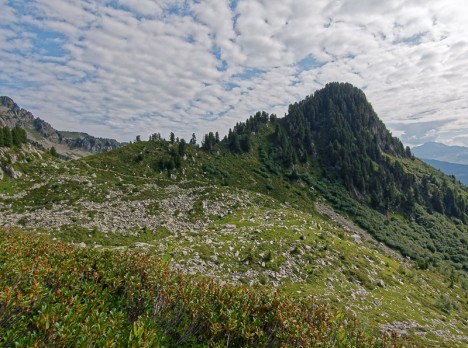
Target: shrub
(53, 294)
(446, 304)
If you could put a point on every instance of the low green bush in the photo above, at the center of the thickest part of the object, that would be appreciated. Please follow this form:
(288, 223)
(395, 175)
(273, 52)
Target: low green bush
(54, 294)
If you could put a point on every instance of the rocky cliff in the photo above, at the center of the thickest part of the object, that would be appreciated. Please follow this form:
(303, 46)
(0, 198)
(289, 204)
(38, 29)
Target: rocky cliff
(42, 134)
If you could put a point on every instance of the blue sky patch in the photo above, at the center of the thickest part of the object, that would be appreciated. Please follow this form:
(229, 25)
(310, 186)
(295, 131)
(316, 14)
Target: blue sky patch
(222, 64)
(49, 43)
(308, 63)
(44, 42)
(233, 5)
(23, 7)
(230, 86)
(412, 40)
(179, 10)
(249, 74)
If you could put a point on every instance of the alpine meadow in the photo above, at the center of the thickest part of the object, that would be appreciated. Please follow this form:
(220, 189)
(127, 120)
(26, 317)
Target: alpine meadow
(318, 228)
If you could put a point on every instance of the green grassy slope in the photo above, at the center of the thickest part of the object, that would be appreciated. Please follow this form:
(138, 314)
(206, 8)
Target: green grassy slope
(230, 217)
(361, 225)
(427, 236)
(52, 294)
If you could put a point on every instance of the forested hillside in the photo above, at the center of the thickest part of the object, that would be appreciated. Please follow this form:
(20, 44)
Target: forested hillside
(334, 140)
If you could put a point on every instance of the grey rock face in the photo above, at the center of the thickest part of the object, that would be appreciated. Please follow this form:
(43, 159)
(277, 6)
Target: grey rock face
(11, 172)
(12, 115)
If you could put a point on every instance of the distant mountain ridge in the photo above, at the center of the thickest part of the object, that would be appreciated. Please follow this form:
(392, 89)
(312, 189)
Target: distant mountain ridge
(460, 171)
(43, 135)
(452, 160)
(442, 152)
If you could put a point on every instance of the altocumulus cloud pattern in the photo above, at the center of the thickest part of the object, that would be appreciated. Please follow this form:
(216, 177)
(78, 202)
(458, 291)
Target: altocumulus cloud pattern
(120, 68)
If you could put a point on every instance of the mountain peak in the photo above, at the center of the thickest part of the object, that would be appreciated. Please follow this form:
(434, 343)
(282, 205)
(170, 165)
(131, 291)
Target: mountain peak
(44, 136)
(442, 152)
(7, 101)
(9, 104)
(341, 113)
(343, 123)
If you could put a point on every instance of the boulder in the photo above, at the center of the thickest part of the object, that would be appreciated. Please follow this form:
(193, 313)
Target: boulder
(11, 172)
(380, 283)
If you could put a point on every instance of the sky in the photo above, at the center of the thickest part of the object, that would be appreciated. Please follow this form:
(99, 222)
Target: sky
(122, 68)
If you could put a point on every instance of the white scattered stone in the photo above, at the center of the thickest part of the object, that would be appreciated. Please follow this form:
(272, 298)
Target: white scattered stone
(380, 283)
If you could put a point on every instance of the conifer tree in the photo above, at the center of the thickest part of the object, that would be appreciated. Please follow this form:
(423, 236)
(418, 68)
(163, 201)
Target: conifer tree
(18, 136)
(182, 147)
(193, 140)
(155, 137)
(7, 138)
(245, 143)
(53, 151)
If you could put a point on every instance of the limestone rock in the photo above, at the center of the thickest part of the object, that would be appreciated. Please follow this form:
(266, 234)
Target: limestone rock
(11, 172)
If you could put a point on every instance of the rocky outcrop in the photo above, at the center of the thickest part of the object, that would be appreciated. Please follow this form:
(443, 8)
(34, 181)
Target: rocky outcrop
(44, 135)
(11, 172)
(12, 115)
(92, 144)
(9, 158)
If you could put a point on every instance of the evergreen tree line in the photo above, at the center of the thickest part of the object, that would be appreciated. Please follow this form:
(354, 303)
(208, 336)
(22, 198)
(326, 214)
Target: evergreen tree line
(239, 139)
(210, 140)
(12, 137)
(338, 127)
(173, 159)
(172, 139)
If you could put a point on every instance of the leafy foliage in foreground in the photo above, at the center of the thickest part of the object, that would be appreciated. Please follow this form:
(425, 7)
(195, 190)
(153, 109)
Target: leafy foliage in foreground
(55, 294)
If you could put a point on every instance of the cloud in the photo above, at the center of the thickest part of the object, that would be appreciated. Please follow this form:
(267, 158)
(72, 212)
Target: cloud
(7, 14)
(124, 67)
(417, 133)
(144, 7)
